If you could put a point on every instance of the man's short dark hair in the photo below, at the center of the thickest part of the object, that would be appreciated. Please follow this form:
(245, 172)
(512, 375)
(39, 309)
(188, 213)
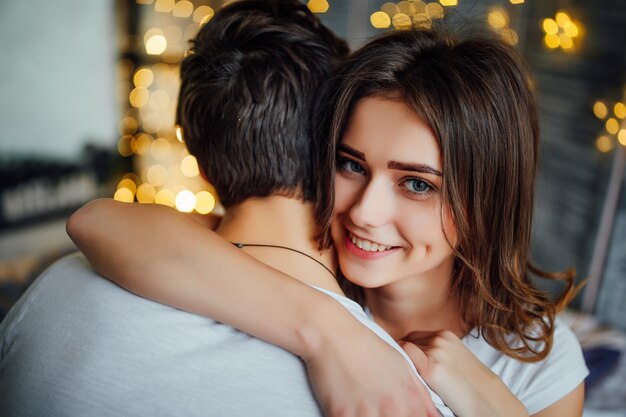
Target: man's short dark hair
(247, 90)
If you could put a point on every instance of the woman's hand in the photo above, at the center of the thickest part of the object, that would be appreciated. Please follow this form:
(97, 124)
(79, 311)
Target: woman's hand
(355, 373)
(464, 383)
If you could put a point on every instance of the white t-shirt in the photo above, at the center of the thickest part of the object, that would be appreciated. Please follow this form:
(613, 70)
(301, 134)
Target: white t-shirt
(357, 311)
(540, 384)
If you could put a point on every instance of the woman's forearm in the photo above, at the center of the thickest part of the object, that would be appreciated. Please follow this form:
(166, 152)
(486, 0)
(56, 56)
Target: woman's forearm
(170, 257)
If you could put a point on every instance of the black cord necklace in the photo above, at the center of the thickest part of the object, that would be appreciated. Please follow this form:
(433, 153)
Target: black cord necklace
(258, 245)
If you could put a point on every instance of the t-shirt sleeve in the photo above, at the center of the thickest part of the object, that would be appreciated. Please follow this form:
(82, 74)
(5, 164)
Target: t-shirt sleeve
(556, 376)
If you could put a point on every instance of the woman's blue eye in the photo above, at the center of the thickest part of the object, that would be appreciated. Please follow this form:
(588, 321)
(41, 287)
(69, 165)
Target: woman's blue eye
(350, 165)
(415, 185)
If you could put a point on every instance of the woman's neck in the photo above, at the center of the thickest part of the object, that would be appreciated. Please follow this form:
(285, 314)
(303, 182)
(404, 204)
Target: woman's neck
(417, 304)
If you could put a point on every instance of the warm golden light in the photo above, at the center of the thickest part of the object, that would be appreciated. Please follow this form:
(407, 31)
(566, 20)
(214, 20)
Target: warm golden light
(143, 78)
(151, 32)
(164, 6)
(146, 193)
(159, 100)
(407, 7)
(128, 126)
(621, 136)
(565, 41)
(600, 110)
(552, 40)
(612, 125)
(189, 166)
(165, 197)
(139, 97)
(141, 143)
(179, 133)
(434, 10)
(561, 31)
(390, 8)
(123, 145)
(124, 195)
(619, 110)
(448, 2)
(570, 29)
(127, 183)
(562, 18)
(157, 175)
(604, 144)
(422, 21)
(172, 33)
(183, 8)
(516, 1)
(160, 149)
(156, 45)
(185, 201)
(205, 202)
(318, 6)
(401, 21)
(380, 20)
(550, 26)
(497, 19)
(203, 14)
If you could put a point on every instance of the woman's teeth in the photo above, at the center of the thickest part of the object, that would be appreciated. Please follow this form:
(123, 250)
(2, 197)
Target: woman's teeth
(367, 245)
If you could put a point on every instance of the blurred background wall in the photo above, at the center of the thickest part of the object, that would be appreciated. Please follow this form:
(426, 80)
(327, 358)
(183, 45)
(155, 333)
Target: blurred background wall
(88, 91)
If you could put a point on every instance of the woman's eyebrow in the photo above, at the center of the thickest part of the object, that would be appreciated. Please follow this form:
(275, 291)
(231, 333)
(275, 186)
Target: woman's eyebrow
(416, 167)
(351, 151)
(402, 166)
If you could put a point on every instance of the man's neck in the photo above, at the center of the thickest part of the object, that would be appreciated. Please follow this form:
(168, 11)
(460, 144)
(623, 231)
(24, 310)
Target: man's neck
(280, 221)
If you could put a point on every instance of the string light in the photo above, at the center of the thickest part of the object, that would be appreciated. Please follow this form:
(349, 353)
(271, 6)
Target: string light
(612, 130)
(183, 8)
(124, 195)
(164, 6)
(561, 31)
(165, 197)
(604, 144)
(205, 202)
(203, 14)
(318, 6)
(127, 183)
(407, 14)
(185, 201)
(156, 45)
(498, 19)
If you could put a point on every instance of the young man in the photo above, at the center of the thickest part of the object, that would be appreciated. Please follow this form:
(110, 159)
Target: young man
(76, 344)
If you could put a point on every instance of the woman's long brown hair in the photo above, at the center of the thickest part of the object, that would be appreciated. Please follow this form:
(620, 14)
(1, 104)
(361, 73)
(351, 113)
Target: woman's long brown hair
(475, 93)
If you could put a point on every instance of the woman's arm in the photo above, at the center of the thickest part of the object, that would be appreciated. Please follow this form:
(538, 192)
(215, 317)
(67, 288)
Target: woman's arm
(169, 257)
(569, 406)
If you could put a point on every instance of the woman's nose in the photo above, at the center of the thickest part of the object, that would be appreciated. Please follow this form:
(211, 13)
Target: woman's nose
(374, 207)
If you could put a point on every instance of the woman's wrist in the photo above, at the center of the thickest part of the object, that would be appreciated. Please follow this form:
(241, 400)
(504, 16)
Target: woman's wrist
(326, 325)
(495, 399)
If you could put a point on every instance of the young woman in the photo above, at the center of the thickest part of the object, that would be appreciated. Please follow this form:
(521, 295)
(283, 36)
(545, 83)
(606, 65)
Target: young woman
(433, 152)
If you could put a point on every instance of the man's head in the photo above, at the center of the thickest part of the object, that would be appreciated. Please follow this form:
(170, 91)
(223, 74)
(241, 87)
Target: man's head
(247, 90)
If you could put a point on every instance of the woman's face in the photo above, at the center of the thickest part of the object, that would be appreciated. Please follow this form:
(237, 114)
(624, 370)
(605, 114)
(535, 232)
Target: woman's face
(387, 225)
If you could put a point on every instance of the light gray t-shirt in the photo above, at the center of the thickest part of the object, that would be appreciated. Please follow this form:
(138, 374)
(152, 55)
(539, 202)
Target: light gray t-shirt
(78, 345)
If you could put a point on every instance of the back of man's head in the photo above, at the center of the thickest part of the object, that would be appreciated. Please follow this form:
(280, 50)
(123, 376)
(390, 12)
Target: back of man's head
(247, 91)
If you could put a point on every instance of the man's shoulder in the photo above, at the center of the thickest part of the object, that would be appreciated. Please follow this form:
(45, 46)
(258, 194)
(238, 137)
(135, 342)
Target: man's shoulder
(70, 293)
(70, 282)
